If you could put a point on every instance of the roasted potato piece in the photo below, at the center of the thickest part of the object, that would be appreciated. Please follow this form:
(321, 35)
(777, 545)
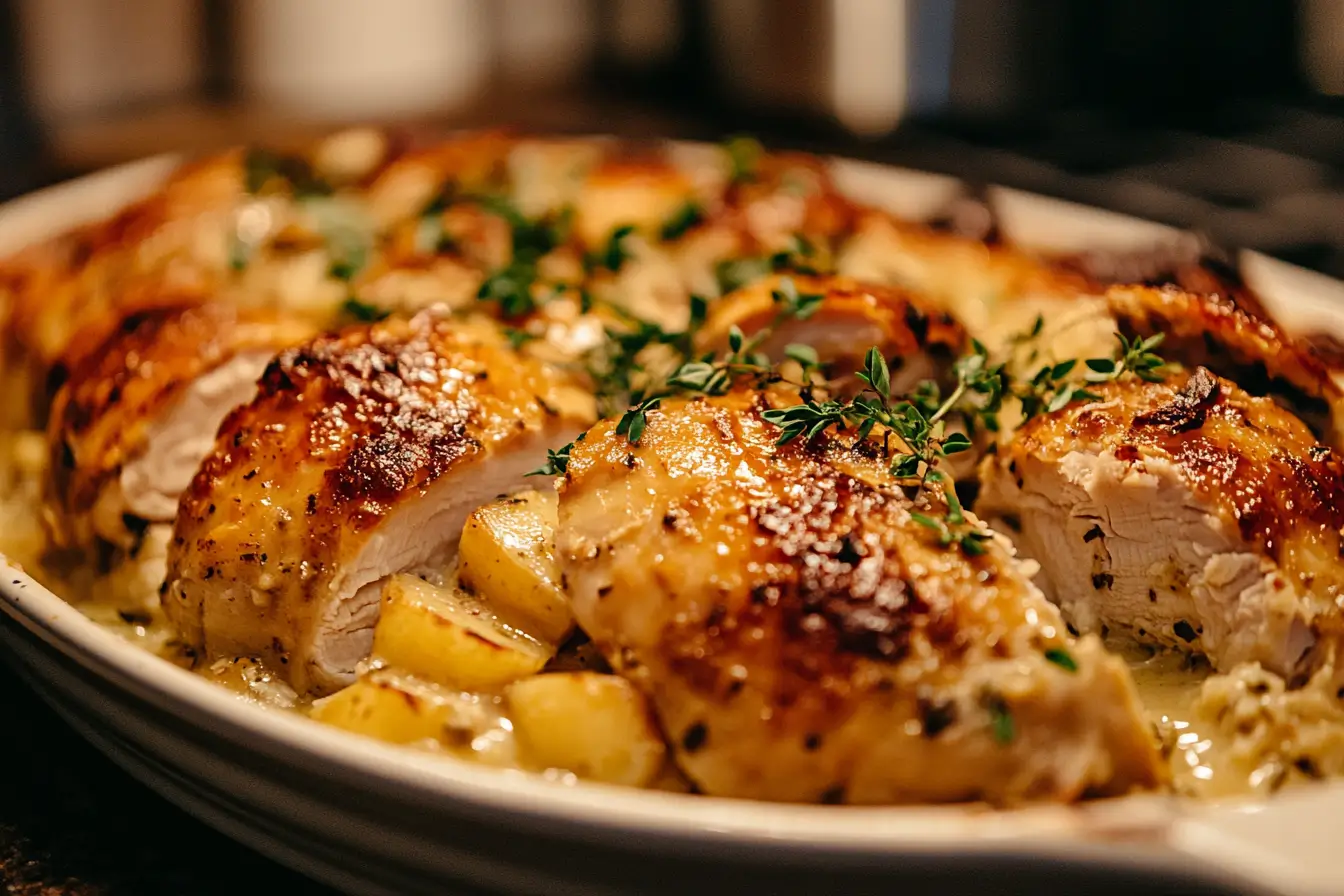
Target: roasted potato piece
(388, 708)
(447, 636)
(507, 559)
(597, 726)
(401, 709)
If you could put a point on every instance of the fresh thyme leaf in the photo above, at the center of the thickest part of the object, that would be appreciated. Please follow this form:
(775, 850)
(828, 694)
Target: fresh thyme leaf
(734, 273)
(363, 311)
(744, 156)
(875, 372)
(1000, 718)
(614, 254)
(632, 422)
(1062, 658)
(557, 461)
(682, 220)
(511, 288)
(805, 355)
(799, 306)
(955, 443)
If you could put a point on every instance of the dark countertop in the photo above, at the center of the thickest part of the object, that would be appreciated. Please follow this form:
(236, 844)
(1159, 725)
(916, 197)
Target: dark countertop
(72, 822)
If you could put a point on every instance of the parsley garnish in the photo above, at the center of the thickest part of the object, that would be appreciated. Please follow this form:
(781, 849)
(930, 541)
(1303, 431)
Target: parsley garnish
(682, 220)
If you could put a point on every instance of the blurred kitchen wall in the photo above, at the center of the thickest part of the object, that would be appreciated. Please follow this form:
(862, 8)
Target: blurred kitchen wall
(94, 81)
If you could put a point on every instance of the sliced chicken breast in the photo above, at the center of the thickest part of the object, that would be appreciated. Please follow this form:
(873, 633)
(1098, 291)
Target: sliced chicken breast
(361, 457)
(850, 317)
(802, 636)
(1184, 514)
(139, 412)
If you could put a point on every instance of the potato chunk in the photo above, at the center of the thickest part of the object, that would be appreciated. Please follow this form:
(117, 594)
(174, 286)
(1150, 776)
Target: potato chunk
(388, 708)
(448, 637)
(507, 558)
(400, 709)
(597, 726)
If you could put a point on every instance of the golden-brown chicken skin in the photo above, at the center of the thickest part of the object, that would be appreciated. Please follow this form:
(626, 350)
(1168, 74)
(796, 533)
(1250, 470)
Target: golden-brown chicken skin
(137, 414)
(850, 317)
(1184, 513)
(1217, 332)
(361, 456)
(803, 637)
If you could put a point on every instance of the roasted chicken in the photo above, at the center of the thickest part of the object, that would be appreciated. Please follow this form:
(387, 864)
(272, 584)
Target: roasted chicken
(1232, 341)
(139, 412)
(848, 319)
(1185, 514)
(803, 636)
(361, 456)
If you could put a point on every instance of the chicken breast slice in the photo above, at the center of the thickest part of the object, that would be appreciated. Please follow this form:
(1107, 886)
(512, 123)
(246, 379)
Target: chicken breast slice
(361, 457)
(1183, 514)
(803, 637)
(851, 317)
(138, 413)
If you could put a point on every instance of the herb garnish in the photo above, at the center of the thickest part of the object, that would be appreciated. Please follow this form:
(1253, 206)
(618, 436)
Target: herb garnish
(735, 273)
(614, 254)
(511, 285)
(682, 220)
(1062, 658)
(1001, 723)
(557, 460)
(261, 166)
(744, 157)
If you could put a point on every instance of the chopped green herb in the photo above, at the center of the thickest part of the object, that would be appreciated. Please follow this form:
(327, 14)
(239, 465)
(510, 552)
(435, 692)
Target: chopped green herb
(262, 166)
(682, 220)
(557, 462)
(614, 254)
(1000, 718)
(511, 287)
(744, 157)
(1061, 658)
(240, 253)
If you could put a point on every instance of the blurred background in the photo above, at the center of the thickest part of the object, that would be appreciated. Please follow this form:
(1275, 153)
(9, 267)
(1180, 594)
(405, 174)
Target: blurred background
(1225, 117)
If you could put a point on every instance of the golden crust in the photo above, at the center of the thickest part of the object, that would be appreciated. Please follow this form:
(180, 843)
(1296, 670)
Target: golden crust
(852, 317)
(1215, 331)
(784, 603)
(346, 430)
(117, 390)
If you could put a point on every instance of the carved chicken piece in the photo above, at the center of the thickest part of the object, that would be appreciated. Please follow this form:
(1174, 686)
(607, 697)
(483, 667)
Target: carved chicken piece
(361, 457)
(804, 636)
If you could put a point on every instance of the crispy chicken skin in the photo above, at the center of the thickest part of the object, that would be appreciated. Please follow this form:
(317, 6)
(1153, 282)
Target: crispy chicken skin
(137, 414)
(803, 638)
(1184, 514)
(852, 317)
(1218, 333)
(361, 456)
